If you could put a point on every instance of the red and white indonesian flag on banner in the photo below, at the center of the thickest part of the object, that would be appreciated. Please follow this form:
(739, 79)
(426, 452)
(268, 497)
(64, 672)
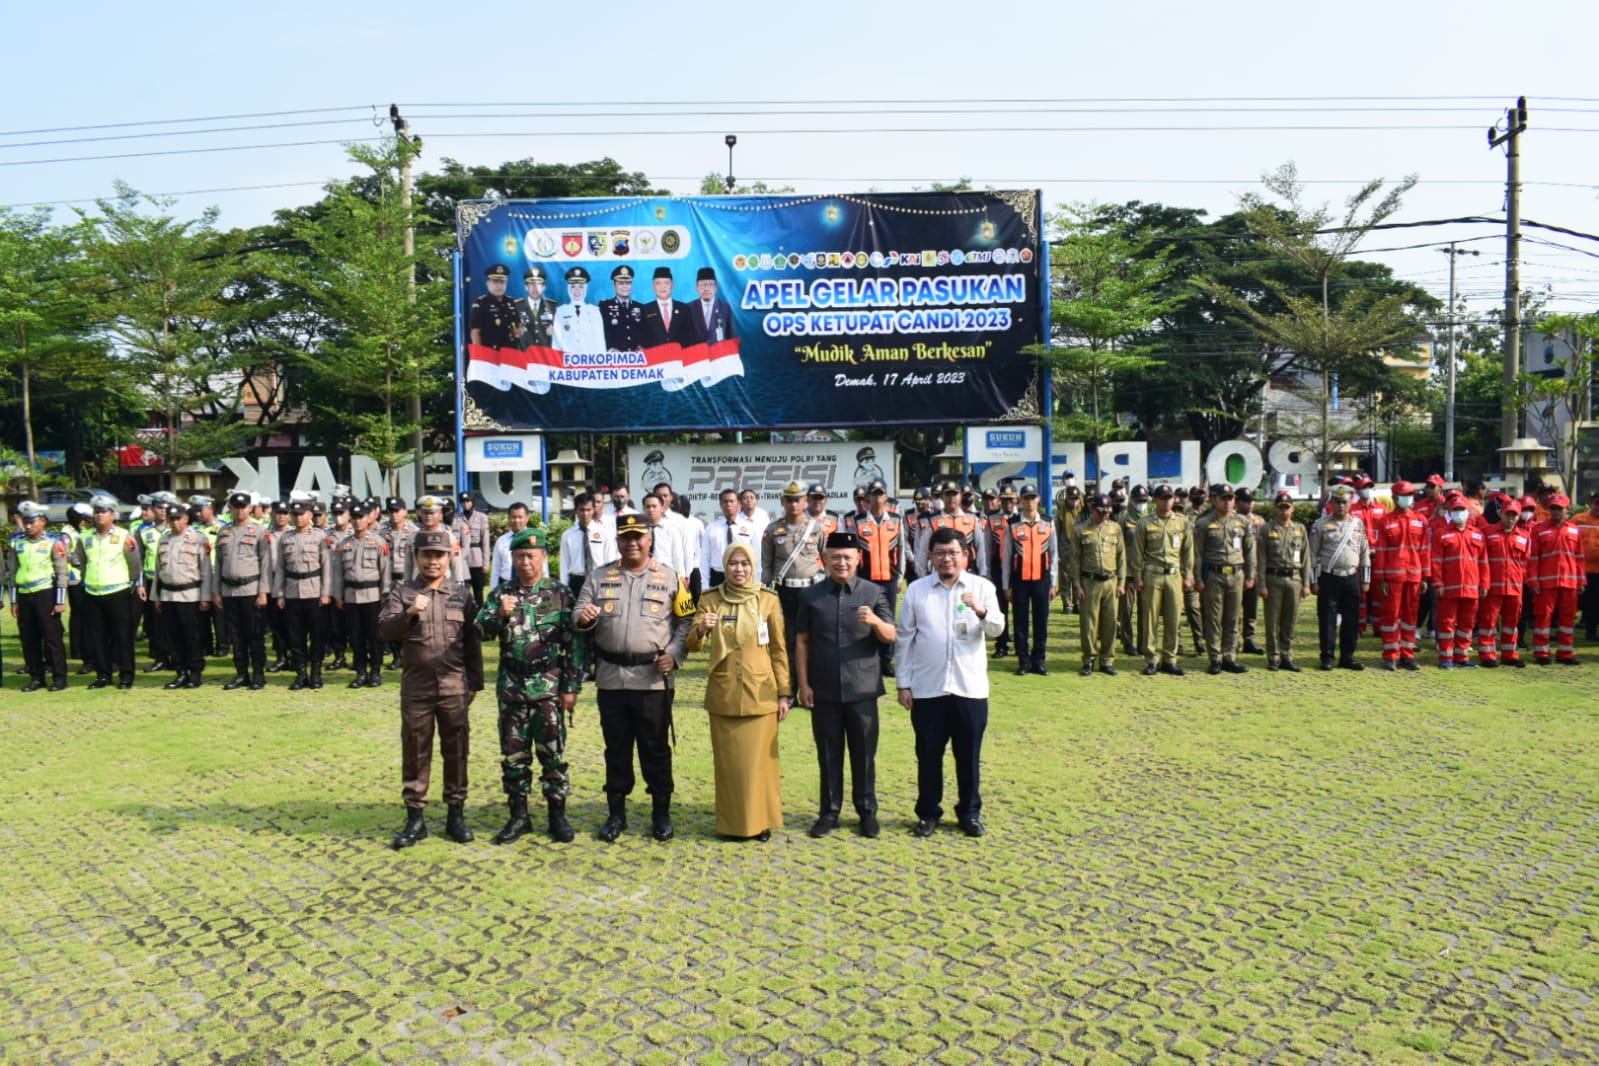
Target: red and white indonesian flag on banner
(670, 366)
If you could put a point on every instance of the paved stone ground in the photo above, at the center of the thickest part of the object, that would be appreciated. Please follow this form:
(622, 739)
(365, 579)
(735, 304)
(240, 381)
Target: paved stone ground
(1381, 870)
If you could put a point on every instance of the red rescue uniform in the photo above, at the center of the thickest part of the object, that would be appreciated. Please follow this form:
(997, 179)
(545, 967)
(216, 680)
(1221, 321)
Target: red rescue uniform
(1499, 610)
(1558, 575)
(1400, 563)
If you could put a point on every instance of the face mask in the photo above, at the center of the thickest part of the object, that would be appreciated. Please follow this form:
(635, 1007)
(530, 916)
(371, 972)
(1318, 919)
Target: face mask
(1137, 507)
(1404, 501)
(1458, 518)
(1367, 494)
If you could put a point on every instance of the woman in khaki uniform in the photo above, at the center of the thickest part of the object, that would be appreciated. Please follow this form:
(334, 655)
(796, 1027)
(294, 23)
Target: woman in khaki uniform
(745, 695)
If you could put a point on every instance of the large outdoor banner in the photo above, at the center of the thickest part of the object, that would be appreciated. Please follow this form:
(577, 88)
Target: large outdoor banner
(749, 312)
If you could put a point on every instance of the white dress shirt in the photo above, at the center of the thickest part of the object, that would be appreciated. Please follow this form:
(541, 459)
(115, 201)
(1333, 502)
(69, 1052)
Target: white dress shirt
(669, 547)
(714, 544)
(602, 549)
(500, 569)
(942, 649)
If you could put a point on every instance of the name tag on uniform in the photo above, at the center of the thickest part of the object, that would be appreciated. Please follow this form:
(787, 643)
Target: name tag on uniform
(1238, 544)
(1176, 540)
(763, 635)
(1296, 556)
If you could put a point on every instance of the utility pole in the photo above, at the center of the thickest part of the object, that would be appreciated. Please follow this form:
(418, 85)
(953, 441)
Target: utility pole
(1515, 124)
(1449, 410)
(408, 148)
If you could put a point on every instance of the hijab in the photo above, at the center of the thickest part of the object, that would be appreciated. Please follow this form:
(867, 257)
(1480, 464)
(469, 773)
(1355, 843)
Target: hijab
(744, 600)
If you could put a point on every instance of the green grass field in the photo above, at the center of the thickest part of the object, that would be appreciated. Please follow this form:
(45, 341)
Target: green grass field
(1330, 867)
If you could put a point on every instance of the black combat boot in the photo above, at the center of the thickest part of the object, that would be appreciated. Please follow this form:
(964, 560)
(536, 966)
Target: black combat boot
(339, 663)
(237, 683)
(316, 676)
(661, 819)
(455, 826)
(192, 680)
(358, 681)
(158, 666)
(517, 824)
(416, 828)
(257, 681)
(374, 678)
(300, 681)
(617, 821)
(181, 681)
(278, 666)
(560, 828)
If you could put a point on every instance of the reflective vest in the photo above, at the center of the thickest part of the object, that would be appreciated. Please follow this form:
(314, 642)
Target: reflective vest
(879, 543)
(1032, 554)
(105, 562)
(36, 568)
(149, 538)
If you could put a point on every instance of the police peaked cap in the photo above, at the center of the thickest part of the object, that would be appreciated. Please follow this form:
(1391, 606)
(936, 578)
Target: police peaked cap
(498, 271)
(577, 276)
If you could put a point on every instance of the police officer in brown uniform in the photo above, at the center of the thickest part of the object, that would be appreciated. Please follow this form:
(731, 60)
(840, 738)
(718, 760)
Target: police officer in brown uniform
(471, 529)
(1282, 555)
(183, 589)
(1225, 545)
(1244, 504)
(791, 556)
(300, 582)
(638, 610)
(360, 581)
(433, 619)
(244, 579)
(399, 531)
(1127, 517)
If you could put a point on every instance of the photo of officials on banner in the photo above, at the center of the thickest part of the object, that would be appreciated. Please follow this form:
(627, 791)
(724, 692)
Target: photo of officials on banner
(764, 312)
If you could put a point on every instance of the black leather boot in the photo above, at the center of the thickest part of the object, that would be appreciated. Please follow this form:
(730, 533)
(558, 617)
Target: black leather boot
(374, 678)
(617, 821)
(416, 828)
(316, 676)
(358, 681)
(455, 826)
(661, 819)
(180, 681)
(300, 681)
(257, 681)
(517, 824)
(278, 666)
(237, 683)
(192, 680)
(158, 666)
(339, 663)
(560, 828)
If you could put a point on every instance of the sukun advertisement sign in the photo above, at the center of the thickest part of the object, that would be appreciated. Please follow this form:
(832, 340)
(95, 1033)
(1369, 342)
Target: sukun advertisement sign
(747, 312)
(702, 471)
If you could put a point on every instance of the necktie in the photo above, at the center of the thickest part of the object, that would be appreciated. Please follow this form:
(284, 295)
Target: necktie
(666, 315)
(588, 553)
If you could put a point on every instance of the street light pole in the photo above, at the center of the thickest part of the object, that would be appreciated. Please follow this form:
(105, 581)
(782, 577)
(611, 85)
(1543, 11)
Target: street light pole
(730, 140)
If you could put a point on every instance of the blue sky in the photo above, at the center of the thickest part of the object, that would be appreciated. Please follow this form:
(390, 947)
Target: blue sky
(651, 85)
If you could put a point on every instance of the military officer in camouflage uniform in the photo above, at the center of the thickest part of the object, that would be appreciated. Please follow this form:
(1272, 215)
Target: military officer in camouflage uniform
(622, 315)
(1162, 568)
(791, 557)
(360, 579)
(1225, 544)
(244, 559)
(300, 582)
(1098, 572)
(1282, 556)
(541, 674)
(183, 590)
(638, 610)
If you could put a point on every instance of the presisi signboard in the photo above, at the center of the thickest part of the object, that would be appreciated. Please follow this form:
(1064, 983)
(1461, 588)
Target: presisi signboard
(748, 312)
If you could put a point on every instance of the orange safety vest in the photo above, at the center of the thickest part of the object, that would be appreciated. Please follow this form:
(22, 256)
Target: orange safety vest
(1032, 550)
(880, 542)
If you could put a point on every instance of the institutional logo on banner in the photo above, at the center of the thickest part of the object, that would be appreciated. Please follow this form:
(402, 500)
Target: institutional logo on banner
(572, 244)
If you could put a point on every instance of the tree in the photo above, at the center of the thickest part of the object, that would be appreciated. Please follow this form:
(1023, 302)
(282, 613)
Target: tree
(1108, 290)
(1326, 339)
(159, 311)
(382, 341)
(43, 312)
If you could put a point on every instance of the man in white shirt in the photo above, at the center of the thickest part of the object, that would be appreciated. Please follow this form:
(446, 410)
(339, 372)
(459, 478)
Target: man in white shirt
(693, 533)
(621, 502)
(585, 547)
(665, 535)
(500, 569)
(943, 678)
(749, 505)
(731, 527)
